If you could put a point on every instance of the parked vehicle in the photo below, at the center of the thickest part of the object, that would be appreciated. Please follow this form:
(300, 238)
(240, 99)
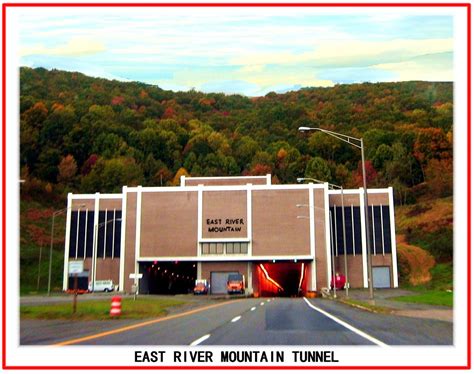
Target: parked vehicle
(236, 283)
(102, 286)
(339, 281)
(201, 287)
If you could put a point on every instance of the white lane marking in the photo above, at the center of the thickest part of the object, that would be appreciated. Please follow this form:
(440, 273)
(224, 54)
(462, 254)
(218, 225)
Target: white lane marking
(268, 300)
(253, 308)
(200, 340)
(346, 325)
(262, 303)
(235, 319)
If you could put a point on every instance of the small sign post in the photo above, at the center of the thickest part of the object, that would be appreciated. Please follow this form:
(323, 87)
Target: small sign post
(75, 267)
(137, 277)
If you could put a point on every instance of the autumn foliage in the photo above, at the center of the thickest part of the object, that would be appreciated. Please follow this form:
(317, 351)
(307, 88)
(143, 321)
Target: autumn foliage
(414, 262)
(111, 132)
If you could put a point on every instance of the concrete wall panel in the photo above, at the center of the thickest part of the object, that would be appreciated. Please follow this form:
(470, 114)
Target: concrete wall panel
(169, 224)
(276, 228)
(224, 210)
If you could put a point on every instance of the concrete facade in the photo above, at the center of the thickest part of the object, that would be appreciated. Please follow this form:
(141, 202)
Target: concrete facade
(231, 224)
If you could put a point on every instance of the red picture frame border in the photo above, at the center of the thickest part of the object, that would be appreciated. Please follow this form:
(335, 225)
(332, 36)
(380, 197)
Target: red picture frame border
(5, 6)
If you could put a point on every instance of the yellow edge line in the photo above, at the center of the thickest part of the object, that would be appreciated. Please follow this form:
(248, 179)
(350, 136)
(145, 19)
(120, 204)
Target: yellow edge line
(138, 325)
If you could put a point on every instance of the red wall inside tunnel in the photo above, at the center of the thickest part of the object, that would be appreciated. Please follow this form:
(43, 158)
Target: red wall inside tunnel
(277, 272)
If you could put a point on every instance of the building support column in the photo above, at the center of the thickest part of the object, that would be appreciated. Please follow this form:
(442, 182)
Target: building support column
(328, 234)
(199, 270)
(122, 240)
(393, 238)
(249, 280)
(66, 242)
(312, 238)
(364, 238)
(138, 230)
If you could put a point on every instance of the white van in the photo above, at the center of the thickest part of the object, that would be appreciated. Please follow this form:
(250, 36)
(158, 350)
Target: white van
(102, 286)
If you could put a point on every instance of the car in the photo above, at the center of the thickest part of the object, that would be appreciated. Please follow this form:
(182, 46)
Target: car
(201, 287)
(102, 286)
(235, 283)
(339, 281)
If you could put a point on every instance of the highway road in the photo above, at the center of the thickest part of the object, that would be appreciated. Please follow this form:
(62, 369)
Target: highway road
(279, 321)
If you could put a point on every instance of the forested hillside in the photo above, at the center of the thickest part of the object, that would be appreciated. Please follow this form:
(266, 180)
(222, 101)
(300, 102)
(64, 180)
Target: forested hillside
(83, 134)
(86, 134)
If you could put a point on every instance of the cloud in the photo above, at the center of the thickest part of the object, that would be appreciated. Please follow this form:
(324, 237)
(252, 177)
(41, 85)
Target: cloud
(337, 53)
(431, 67)
(74, 47)
(240, 49)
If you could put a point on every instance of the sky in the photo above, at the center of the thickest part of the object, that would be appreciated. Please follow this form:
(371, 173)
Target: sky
(242, 50)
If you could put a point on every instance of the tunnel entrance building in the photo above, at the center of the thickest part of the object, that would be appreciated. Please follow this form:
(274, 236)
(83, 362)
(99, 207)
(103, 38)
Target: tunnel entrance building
(284, 239)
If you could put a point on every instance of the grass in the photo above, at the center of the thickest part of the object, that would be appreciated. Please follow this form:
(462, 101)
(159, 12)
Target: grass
(366, 306)
(428, 225)
(438, 291)
(99, 309)
(431, 297)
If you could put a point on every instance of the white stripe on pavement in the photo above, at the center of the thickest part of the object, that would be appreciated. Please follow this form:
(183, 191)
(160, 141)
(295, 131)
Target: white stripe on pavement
(346, 325)
(253, 308)
(262, 303)
(235, 319)
(200, 340)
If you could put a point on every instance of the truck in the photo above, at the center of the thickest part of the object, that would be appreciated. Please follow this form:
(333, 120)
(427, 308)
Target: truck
(201, 287)
(102, 286)
(235, 283)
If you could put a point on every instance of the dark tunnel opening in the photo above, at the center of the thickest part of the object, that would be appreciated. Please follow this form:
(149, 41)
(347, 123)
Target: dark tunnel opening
(167, 277)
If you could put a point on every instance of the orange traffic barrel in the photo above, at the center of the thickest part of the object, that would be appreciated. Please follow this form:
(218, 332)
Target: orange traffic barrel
(116, 306)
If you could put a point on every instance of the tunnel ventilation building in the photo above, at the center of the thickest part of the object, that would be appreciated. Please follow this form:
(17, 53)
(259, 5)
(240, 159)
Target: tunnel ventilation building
(283, 239)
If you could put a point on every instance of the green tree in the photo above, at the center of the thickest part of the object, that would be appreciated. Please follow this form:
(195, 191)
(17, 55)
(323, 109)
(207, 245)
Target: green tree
(318, 168)
(244, 150)
(111, 175)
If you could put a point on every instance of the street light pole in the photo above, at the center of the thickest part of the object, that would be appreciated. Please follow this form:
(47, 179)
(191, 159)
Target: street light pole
(358, 143)
(39, 266)
(51, 249)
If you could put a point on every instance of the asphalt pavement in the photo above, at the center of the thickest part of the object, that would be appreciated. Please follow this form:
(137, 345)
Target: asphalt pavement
(279, 321)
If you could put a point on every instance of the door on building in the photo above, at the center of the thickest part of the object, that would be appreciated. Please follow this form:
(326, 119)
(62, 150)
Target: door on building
(381, 276)
(219, 281)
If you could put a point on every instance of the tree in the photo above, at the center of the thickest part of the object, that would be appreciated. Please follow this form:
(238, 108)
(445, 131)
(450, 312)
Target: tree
(324, 146)
(384, 153)
(89, 164)
(177, 178)
(431, 143)
(260, 169)
(263, 158)
(67, 169)
(318, 168)
(108, 145)
(36, 115)
(244, 150)
(111, 175)
(370, 173)
(439, 177)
